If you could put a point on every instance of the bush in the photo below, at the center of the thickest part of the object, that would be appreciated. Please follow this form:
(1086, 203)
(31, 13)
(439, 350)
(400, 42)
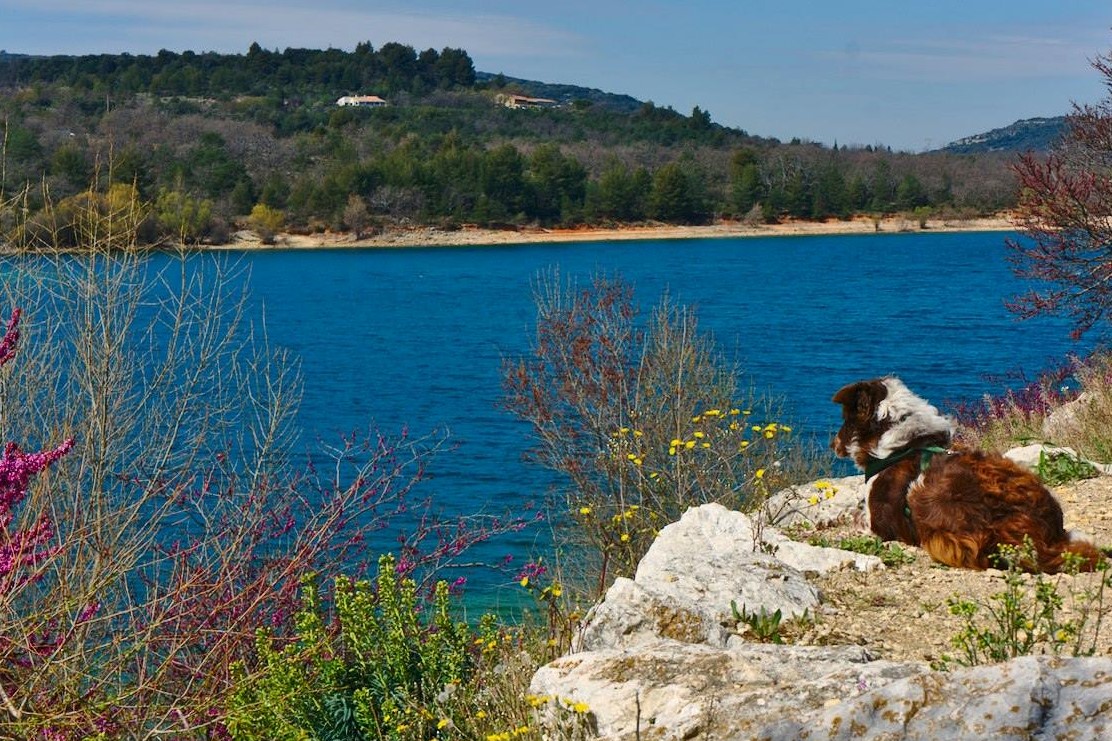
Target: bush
(642, 423)
(388, 670)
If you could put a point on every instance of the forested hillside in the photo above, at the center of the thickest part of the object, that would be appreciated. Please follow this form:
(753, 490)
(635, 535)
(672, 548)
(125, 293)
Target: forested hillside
(214, 142)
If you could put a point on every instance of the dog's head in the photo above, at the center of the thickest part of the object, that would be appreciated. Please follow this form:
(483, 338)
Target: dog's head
(881, 417)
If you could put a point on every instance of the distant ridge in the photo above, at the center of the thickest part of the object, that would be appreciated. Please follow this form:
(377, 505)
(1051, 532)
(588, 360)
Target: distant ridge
(1035, 134)
(565, 94)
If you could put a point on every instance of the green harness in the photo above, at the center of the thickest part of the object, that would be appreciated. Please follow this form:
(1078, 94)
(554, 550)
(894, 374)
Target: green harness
(873, 467)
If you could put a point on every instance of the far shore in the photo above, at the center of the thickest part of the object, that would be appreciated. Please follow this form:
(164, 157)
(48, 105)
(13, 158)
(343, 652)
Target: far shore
(474, 236)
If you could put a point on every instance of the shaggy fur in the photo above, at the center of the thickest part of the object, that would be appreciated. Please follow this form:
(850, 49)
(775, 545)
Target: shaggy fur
(965, 503)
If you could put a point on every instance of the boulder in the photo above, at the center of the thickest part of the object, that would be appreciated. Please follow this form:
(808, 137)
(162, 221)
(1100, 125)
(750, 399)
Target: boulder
(818, 504)
(1028, 456)
(1027, 697)
(665, 689)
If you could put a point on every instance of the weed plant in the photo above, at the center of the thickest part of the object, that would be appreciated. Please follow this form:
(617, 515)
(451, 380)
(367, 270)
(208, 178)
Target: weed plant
(1028, 616)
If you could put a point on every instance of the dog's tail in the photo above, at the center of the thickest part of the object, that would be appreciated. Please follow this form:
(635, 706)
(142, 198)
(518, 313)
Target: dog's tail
(1075, 552)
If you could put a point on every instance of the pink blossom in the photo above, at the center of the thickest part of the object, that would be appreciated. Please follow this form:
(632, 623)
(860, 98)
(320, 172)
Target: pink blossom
(11, 337)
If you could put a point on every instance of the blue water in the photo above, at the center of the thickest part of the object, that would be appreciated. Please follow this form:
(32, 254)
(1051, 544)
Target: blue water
(414, 338)
(393, 338)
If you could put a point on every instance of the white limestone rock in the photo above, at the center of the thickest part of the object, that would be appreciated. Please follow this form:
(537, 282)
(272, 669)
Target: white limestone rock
(1028, 697)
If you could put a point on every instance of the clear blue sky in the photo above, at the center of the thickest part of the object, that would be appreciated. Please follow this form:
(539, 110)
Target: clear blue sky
(909, 75)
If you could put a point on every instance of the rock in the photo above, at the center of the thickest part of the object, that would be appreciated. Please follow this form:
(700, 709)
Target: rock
(1027, 697)
(817, 504)
(1062, 422)
(670, 690)
(1028, 456)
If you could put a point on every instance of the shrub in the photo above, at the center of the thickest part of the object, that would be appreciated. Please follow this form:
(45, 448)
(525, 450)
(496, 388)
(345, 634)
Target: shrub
(387, 671)
(642, 423)
(1028, 615)
(178, 523)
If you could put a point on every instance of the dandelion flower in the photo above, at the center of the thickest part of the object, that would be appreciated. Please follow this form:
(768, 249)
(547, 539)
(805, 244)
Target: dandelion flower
(625, 537)
(760, 473)
(689, 444)
(699, 435)
(442, 724)
(769, 434)
(706, 445)
(672, 450)
(813, 500)
(638, 433)
(584, 510)
(580, 707)
(676, 442)
(735, 412)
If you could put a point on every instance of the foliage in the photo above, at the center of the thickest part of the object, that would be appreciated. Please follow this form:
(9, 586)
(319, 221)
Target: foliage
(640, 422)
(1018, 416)
(177, 522)
(1065, 210)
(890, 554)
(1027, 615)
(388, 670)
(262, 127)
(763, 625)
(1056, 469)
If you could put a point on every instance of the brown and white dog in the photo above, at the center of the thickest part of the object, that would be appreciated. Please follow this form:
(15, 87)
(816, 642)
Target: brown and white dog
(958, 505)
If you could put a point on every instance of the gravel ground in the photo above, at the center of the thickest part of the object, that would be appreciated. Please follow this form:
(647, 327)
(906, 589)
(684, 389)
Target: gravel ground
(901, 613)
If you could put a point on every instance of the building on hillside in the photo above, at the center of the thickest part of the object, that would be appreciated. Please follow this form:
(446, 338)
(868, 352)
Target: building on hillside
(363, 101)
(524, 101)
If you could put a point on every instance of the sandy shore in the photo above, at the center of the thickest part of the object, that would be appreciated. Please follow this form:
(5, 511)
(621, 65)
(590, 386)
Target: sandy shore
(433, 237)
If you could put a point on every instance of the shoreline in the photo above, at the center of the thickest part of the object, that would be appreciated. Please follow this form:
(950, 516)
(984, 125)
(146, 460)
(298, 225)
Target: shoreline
(418, 237)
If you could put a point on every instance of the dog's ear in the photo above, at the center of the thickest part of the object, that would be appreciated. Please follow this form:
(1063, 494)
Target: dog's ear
(862, 397)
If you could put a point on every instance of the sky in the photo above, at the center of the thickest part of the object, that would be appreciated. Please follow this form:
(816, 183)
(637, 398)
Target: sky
(912, 76)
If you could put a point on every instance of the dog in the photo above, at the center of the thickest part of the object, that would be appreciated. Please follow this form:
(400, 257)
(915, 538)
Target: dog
(959, 505)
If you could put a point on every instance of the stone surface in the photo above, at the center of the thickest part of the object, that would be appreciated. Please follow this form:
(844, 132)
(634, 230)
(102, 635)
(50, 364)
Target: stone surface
(818, 504)
(1028, 456)
(1028, 697)
(665, 689)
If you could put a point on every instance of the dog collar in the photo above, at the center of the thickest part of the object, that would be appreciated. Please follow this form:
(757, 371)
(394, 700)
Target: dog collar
(875, 466)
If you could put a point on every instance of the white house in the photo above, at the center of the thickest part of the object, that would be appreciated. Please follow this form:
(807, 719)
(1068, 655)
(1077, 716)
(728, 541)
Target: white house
(364, 101)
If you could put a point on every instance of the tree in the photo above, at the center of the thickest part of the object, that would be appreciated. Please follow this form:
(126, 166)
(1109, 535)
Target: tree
(1065, 214)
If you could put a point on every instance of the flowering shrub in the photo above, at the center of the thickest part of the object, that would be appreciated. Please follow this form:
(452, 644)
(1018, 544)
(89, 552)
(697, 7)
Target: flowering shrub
(24, 552)
(641, 423)
(389, 668)
(179, 524)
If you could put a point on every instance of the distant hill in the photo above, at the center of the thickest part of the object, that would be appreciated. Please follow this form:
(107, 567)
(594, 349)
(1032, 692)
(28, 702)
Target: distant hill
(565, 94)
(1037, 134)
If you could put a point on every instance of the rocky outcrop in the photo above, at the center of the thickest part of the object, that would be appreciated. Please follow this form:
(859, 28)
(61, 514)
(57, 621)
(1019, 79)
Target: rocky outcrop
(665, 656)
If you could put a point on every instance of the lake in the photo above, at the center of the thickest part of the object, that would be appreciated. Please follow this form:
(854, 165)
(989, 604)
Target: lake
(415, 337)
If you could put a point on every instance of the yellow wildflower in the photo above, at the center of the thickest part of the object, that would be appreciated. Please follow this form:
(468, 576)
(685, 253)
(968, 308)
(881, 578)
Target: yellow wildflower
(623, 430)
(785, 428)
(689, 444)
(672, 450)
(625, 537)
(580, 707)
(735, 412)
(706, 445)
(744, 444)
(638, 433)
(584, 510)
(481, 714)
(696, 418)
(769, 434)
(712, 412)
(760, 473)
(524, 581)
(442, 724)
(676, 442)
(822, 484)
(813, 500)
(632, 456)
(699, 435)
